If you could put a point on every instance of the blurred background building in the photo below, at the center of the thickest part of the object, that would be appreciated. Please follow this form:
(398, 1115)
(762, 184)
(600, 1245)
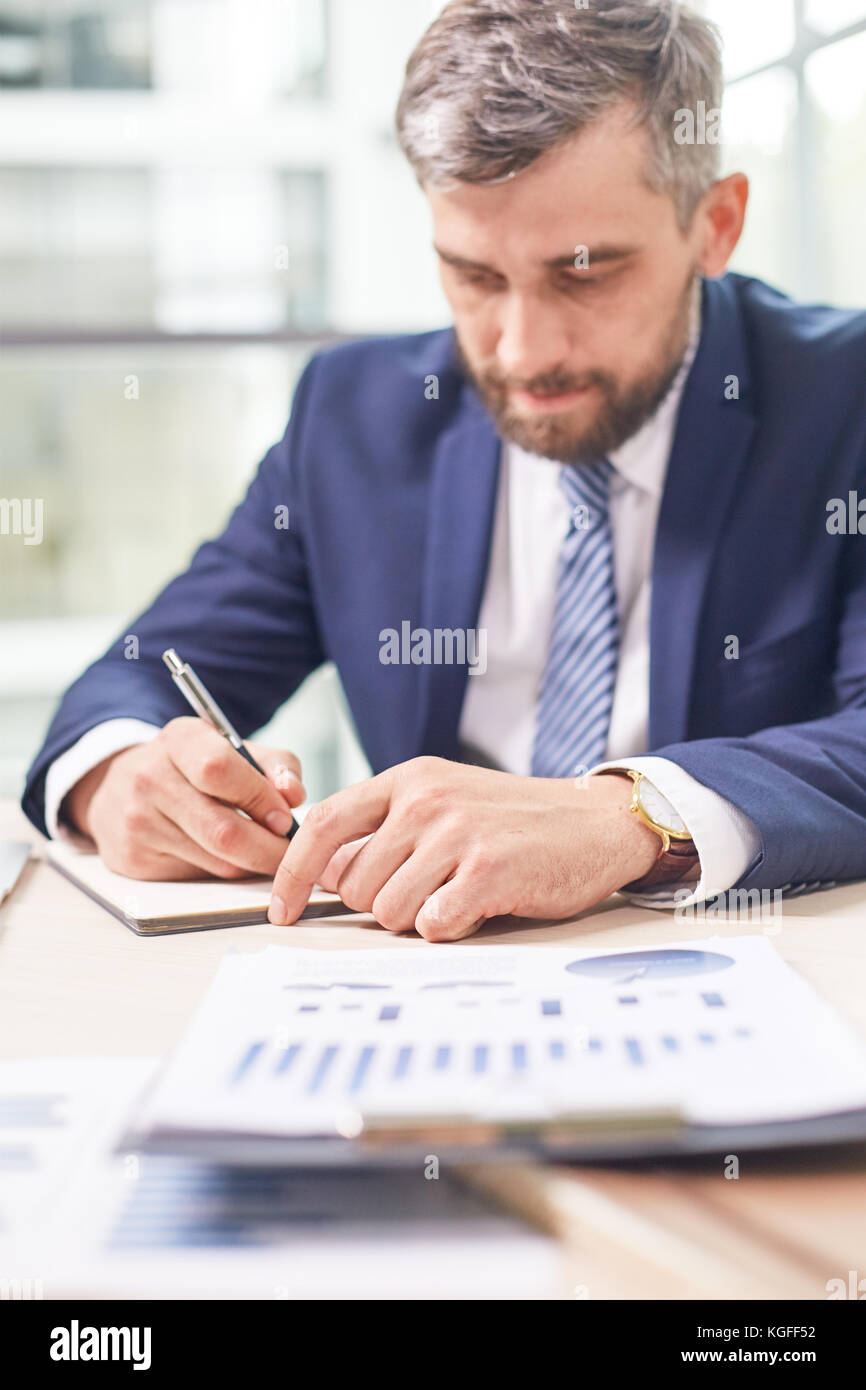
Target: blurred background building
(197, 194)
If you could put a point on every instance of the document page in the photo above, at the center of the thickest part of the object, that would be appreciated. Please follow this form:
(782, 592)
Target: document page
(298, 1042)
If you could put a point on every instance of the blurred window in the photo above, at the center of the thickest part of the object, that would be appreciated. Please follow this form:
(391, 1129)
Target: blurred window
(795, 121)
(147, 43)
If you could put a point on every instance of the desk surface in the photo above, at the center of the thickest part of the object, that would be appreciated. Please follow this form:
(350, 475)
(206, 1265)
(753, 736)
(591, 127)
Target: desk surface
(75, 982)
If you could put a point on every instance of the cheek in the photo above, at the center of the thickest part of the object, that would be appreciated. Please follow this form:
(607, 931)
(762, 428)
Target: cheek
(477, 328)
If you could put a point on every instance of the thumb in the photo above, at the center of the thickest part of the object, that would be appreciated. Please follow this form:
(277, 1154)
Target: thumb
(283, 770)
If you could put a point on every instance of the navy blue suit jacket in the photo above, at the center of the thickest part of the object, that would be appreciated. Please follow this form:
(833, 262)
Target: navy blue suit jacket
(391, 495)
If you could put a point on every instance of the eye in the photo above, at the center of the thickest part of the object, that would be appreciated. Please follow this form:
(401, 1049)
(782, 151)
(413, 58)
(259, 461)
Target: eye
(579, 280)
(478, 279)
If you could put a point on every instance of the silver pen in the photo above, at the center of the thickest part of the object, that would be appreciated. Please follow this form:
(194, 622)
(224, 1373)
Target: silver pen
(199, 698)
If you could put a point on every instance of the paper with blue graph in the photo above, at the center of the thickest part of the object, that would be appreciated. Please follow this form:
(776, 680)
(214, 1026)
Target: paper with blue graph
(298, 1042)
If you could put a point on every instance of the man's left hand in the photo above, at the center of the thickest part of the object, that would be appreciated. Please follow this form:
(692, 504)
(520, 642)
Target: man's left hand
(450, 846)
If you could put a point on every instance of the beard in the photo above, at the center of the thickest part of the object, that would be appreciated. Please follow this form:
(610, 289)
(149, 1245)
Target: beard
(621, 411)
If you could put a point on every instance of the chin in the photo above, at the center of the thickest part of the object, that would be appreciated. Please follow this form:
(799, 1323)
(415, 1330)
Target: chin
(561, 437)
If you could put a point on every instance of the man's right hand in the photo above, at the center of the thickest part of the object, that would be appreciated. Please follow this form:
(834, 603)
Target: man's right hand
(169, 809)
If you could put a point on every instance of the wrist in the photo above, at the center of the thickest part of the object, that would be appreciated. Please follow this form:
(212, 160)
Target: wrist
(75, 807)
(634, 847)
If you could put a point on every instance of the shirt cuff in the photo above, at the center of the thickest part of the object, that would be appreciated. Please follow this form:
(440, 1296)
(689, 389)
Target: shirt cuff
(726, 840)
(90, 750)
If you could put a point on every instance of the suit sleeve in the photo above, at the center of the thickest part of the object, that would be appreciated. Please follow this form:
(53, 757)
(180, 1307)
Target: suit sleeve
(803, 785)
(242, 614)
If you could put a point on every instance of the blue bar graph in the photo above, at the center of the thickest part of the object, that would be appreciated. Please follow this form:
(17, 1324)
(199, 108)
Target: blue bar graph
(557, 1051)
(635, 1051)
(479, 1057)
(442, 1057)
(551, 1007)
(320, 1071)
(713, 1000)
(670, 1044)
(247, 1061)
(518, 1056)
(401, 1066)
(361, 1068)
(288, 1057)
(389, 1012)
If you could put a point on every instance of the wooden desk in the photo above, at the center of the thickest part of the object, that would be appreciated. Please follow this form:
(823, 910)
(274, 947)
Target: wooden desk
(74, 982)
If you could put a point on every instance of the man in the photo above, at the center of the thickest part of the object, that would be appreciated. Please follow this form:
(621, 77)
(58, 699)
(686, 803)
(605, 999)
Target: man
(615, 483)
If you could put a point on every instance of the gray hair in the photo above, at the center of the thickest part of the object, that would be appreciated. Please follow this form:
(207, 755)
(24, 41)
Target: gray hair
(494, 84)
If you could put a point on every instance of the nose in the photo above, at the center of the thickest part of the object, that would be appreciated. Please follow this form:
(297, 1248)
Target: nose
(533, 337)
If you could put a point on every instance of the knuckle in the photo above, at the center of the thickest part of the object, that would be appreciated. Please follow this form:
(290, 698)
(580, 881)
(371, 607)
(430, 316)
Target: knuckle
(225, 834)
(425, 766)
(134, 822)
(389, 914)
(321, 816)
(141, 781)
(456, 826)
(356, 897)
(213, 768)
(481, 861)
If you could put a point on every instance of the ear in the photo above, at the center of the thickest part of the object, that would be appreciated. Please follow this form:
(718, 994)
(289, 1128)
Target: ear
(721, 216)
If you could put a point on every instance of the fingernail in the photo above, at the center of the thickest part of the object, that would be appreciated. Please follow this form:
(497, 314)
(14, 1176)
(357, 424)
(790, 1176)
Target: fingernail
(285, 777)
(280, 822)
(277, 913)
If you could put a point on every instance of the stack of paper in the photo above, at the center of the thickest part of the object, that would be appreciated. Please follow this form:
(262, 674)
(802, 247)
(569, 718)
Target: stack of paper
(302, 1044)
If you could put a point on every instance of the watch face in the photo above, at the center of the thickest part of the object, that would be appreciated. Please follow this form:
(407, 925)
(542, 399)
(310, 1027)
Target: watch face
(659, 809)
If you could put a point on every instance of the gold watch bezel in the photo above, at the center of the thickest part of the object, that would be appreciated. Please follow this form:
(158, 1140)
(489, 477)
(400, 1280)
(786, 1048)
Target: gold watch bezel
(663, 831)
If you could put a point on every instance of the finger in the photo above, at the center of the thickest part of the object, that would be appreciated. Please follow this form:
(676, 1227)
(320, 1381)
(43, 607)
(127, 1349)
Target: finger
(455, 910)
(399, 901)
(226, 837)
(329, 824)
(370, 868)
(170, 840)
(144, 845)
(283, 770)
(151, 867)
(336, 866)
(213, 767)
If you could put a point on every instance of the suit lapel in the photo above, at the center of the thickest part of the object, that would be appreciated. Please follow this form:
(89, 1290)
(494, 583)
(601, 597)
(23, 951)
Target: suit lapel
(709, 452)
(462, 500)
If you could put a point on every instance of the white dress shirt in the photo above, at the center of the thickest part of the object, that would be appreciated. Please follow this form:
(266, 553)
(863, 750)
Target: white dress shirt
(517, 608)
(517, 611)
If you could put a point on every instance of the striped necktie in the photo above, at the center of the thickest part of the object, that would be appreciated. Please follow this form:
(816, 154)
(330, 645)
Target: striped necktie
(577, 691)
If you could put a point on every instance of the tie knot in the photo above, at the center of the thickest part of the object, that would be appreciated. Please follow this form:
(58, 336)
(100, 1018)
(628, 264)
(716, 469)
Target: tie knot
(587, 491)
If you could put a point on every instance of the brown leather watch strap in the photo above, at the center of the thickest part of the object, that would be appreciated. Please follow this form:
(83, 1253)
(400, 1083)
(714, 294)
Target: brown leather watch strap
(679, 864)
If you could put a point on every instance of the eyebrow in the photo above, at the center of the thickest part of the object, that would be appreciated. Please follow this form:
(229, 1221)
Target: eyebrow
(599, 255)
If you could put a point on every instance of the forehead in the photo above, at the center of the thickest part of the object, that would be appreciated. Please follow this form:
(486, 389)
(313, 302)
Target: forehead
(593, 188)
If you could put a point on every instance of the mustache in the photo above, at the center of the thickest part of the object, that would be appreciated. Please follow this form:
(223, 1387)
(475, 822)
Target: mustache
(554, 383)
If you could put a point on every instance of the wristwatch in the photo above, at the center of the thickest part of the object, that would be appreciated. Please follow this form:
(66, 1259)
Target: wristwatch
(678, 860)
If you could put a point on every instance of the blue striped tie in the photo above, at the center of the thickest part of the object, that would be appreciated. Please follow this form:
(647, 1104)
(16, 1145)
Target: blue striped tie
(577, 691)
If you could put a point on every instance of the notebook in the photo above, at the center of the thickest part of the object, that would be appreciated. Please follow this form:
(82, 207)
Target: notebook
(152, 909)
